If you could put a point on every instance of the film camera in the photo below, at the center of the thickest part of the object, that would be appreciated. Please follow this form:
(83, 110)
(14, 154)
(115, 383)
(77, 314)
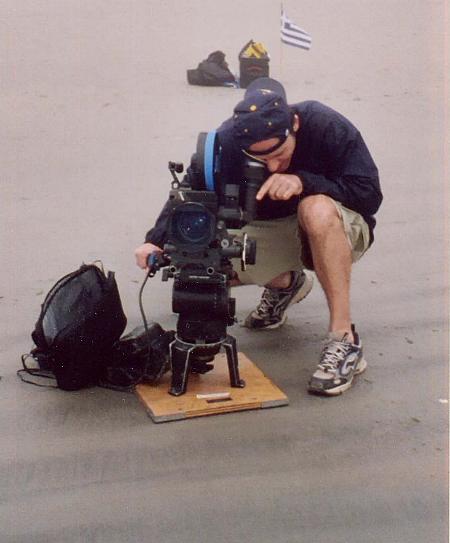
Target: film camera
(198, 253)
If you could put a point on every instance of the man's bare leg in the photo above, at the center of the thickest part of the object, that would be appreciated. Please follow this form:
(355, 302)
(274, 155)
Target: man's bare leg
(332, 257)
(281, 281)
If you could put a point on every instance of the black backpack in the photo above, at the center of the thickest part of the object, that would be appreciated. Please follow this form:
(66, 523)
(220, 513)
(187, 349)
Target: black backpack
(80, 320)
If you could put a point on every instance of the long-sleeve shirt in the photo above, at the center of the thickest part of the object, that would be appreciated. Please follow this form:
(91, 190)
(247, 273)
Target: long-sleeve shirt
(330, 157)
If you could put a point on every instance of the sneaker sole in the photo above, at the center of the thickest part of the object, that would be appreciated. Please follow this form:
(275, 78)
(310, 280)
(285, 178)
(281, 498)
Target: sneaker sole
(301, 295)
(339, 390)
(271, 326)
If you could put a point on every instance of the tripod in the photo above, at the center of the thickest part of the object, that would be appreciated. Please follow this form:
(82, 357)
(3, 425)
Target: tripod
(183, 355)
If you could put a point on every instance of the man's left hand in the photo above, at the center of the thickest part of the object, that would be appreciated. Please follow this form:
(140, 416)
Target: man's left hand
(280, 186)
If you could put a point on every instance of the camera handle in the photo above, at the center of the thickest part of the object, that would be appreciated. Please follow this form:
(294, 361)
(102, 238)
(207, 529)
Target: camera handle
(255, 173)
(156, 261)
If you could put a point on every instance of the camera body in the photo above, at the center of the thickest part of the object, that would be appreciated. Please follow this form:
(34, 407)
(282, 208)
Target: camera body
(236, 197)
(197, 256)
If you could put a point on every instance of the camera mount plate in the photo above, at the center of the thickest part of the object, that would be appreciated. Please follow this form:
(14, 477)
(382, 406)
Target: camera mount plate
(259, 393)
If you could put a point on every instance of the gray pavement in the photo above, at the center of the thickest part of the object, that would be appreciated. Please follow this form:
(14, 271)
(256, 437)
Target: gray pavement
(94, 103)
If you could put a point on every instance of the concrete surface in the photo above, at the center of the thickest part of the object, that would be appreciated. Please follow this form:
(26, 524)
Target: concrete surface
(94, 104)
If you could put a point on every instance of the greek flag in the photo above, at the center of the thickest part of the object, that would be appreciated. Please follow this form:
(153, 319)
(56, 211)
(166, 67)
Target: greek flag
(293, 34)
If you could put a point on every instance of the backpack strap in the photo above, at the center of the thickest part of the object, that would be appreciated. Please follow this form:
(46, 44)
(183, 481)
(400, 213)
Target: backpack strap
(38, 356)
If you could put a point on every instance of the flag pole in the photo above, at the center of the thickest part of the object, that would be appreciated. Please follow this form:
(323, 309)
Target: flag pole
(281, 45)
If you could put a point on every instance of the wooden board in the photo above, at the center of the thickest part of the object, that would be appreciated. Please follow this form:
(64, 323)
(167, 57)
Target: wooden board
(258, 393)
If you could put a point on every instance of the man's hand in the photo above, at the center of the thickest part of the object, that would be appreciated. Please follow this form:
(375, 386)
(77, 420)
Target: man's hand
(142, 253)
(280, 186)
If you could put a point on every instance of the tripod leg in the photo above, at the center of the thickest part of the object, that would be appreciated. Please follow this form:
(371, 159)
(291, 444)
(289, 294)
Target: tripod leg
(232, 359)
(180, 359)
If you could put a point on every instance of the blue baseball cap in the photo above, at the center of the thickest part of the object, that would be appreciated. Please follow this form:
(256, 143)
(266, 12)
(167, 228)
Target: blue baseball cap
(262, 114)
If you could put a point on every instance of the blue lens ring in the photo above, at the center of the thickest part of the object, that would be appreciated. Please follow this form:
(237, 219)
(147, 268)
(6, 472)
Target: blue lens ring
(209, 160)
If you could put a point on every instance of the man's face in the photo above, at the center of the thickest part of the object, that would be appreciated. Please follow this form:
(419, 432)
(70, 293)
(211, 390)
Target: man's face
(277, 161)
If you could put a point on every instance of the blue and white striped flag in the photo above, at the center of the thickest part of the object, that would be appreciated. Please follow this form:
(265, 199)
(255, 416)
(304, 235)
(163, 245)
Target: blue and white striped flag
(293, 34)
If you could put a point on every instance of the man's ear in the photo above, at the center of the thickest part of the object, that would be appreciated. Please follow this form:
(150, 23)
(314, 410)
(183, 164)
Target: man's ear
(296, 124)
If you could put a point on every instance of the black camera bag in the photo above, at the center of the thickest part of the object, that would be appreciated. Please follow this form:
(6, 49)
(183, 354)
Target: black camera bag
(80, 320)
(141, 356)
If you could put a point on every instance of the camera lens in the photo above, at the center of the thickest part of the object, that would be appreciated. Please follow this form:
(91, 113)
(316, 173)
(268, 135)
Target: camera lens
(192, 224)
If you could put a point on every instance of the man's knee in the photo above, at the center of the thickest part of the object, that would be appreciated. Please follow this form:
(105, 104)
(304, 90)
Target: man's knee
(317, 213)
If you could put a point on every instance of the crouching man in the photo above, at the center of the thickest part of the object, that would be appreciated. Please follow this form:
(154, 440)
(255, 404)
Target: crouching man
(314, 212)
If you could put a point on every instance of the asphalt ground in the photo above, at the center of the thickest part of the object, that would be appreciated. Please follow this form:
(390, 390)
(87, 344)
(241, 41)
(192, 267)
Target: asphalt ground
(94, 104)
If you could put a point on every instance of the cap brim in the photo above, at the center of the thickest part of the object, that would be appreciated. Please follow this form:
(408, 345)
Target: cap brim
(265, 83)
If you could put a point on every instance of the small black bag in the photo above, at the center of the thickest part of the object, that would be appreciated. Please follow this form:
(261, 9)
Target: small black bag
(140, 356)
(81, 318)
(212, 72)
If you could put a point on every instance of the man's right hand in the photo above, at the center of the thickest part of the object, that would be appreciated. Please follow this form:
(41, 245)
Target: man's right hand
(143, 252)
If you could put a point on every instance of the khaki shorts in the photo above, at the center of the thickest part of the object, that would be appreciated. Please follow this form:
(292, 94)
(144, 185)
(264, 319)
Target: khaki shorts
(279, 245)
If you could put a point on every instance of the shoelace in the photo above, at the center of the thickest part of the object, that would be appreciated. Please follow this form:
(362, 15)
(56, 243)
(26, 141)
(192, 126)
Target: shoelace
(268, 301)
(333, 352)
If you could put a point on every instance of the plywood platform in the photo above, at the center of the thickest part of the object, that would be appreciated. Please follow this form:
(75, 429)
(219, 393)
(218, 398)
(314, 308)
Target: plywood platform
(259, 393)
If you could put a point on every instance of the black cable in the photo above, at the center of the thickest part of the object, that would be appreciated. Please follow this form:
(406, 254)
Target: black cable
(132, 384)
(141, 306)
(164, 366)
(34, 372)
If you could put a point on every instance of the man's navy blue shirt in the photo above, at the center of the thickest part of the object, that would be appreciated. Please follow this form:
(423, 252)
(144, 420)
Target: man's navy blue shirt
(330, 157)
